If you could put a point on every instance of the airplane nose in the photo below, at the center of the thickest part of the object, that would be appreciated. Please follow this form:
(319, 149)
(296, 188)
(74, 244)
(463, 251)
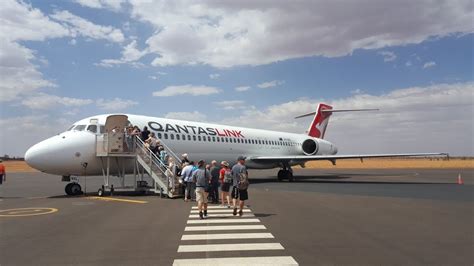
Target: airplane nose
(33, 156)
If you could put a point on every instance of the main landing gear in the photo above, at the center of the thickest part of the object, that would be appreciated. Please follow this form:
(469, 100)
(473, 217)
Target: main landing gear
(286, 173)
(73, 189)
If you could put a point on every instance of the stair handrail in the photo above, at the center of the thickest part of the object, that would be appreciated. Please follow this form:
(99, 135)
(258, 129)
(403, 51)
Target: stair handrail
(170, 151)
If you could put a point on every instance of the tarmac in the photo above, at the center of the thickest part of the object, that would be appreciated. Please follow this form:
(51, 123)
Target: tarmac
(326, 217)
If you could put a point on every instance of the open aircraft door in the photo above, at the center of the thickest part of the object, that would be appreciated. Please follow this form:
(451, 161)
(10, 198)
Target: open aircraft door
(113, 138)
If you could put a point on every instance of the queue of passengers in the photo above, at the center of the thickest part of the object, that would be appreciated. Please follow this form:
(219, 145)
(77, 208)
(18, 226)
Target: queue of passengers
(202, 181)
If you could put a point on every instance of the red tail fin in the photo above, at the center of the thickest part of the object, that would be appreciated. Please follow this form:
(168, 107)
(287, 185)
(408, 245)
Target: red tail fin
(320, 121)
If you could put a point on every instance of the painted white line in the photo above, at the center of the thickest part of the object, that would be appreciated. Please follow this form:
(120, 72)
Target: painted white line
(216, 207)
(223, 221)
(221, 211)
(230, 247)
(222, 215)
(227, 236)
(224, 227)
(237, 261)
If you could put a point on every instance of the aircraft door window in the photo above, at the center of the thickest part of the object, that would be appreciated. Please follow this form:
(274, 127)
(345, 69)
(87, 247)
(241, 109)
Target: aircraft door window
(92, 128)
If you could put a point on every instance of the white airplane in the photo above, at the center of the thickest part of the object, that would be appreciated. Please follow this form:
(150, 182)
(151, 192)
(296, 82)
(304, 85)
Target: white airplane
(66, 153)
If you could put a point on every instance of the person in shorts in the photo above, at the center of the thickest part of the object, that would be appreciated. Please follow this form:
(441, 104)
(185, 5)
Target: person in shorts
(202, 179)
(239, 194)
(225, 184)
(3, 174)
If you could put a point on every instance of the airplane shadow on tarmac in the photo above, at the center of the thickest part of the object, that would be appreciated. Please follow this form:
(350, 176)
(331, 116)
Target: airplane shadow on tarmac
(341, 179)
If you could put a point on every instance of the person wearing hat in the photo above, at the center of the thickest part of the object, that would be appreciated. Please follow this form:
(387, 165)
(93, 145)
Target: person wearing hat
(226, 179)
(238, 171)
(202, 178)
(184, 158)
(3, 174)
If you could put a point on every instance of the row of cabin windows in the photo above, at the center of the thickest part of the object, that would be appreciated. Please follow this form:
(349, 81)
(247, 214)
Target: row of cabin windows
(223, 139)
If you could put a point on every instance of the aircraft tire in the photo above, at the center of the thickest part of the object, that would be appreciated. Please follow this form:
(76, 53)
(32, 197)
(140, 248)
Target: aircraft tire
(281, 175)
(75, 189)
(100, 192)
(67, 189)
(290, 176)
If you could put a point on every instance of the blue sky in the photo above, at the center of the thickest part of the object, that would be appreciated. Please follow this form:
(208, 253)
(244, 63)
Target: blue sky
(250, 64)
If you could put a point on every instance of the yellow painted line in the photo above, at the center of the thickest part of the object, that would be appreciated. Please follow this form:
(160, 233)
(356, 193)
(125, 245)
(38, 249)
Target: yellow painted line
(117, 199)
(20, 212)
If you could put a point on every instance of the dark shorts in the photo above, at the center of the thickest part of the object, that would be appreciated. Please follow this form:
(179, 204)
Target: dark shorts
(239, 194)
(225, 187)
(1, 179)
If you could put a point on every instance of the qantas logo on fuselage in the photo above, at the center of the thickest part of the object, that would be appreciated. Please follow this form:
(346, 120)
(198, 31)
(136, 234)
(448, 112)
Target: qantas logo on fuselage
(186, 129)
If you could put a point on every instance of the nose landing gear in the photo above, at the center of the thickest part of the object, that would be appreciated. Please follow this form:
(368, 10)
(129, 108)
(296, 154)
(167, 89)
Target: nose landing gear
(73, 189)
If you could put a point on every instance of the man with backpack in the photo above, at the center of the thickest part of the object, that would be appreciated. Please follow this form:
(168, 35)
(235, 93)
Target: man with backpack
(226, 179)
(240, 184)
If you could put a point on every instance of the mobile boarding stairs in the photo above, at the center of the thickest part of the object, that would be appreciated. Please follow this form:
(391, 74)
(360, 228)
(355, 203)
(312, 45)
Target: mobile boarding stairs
(118, 156)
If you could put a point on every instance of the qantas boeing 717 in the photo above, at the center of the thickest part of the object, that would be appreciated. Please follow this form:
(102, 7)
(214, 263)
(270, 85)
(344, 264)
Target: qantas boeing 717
(66, 153)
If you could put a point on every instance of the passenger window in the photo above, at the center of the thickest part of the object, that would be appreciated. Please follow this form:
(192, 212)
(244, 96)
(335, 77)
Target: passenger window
(92, 128)
(177, 137)
(226, 140)
(172, 136)
(165, 135)
(194, 138)
(159, 135)
(199, 138)
(218, 139)
(209, 138)
(203, 138)
(189, 137)
(183, 137)
(213, 139)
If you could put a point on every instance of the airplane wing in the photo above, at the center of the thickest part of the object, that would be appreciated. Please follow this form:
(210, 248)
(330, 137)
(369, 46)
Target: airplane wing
(333, 158)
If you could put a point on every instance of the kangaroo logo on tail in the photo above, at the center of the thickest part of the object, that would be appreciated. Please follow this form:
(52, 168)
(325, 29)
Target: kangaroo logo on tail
(320, 121)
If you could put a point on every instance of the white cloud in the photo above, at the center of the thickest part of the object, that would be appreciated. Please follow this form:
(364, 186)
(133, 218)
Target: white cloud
(186, 89)
(429, 64)
(242, 88)
(107, 4)
(270, 84)
(116, 104)
(388, 56)
(130, 54)
(190, 116)
(229, 33)
(231, 105)
(153, 77)
(416, 119)
(81, 27)
(214, 76)
(46, 101)
(408, 64)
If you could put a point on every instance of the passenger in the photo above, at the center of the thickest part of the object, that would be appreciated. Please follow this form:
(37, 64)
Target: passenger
(3, 173)
(202, 177)
(240, 184)
(187, 175)
(184, 158)
(163, 154)
(129, 138)
(214, 191)
(145, 134)
(152, 142)
(171, 174)
(226, 179)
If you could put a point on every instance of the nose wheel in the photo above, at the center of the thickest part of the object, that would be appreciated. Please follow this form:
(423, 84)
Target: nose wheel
(73, 189)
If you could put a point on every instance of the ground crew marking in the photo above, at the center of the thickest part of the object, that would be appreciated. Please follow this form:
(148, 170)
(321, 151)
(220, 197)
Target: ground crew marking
(221, 219)
(20, 212)
(118, 199)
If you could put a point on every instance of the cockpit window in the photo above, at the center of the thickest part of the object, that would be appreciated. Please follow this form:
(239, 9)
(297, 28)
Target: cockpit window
(80, 128)
(92, 128)
(70, 128)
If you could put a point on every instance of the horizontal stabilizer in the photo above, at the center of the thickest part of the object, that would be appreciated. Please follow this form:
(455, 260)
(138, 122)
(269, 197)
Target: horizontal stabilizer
(336, 111)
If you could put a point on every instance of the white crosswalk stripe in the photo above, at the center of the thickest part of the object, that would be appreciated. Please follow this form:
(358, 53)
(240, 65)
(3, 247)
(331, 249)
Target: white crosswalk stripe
(227, 236)
(222, 215)
(223, 221)
(245, 228)
(238, 261)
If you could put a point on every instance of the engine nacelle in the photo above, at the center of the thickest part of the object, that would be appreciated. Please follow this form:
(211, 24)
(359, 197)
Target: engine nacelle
(318, 146)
